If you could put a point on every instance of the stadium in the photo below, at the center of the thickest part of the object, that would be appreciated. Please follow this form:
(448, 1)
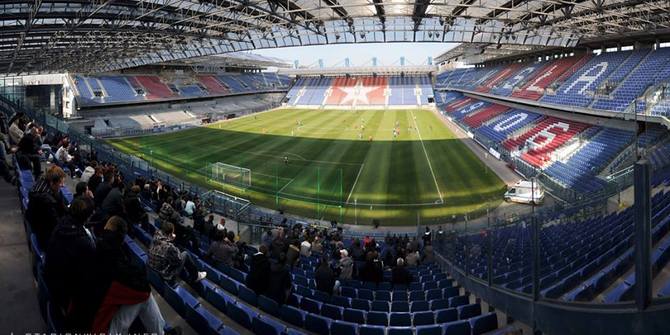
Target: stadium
(198, 167)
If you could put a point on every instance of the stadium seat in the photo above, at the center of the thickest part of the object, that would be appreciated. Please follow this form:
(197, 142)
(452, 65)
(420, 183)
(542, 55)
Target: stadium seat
(420, 306)
(434, 294)
(371, 330)
(484, 323)
(378, 318)
(317, 324)
(309, 305)
(468, 311)
(446, 315)
(423, 318)
(456, 328)
(360, 304)
(439, 304)
(219, 299)
(450, 292)
(383, 295)
(417, 295)
(241, 314)
(459, 301)
(348, 292)
(266, 326)
(331, 311)
(343, 328)
(180, 299)
(268, 305)
(248, 295)
(228, 331)
(365, 294)
(429, 330)
(400, 306)
(341, 301)
(292, 315)
(379, 306)
(399, 295)
(400, 319)
(229, 285)
(203, 321)
(354, 315)
(400, 331)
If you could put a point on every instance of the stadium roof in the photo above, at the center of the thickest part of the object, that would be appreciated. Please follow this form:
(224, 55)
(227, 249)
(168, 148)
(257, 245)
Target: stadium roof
(233, 59)
(82, 36)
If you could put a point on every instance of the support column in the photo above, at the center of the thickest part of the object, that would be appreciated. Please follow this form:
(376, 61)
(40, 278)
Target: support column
(642, 234)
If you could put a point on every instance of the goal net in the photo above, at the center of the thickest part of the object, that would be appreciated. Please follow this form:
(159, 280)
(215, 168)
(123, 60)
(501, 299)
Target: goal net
(229, 174)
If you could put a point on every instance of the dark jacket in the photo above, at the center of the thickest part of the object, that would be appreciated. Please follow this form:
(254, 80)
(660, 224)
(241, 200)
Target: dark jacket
(113, 203)
(168, 214)
(372, 271)
(133, 207)
(222, 252)
(28, 145)
(258, 278)
(325, 279)
(401, 276)
(279, 283)
(45, 208)
(101, 193)
(292, 255)
(67, 271)
(93, 183)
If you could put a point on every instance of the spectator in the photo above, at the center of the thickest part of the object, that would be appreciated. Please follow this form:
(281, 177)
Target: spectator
(280, 281)
(28, 153)
(112, 205)
(65, 159)
(209, 228)
(427, 237)
(135, 213)
(95, 180)
(357, 253)
(346, 265)
(267, 239)
(70, 256)
(168, 214)
(166, 259)
(258, 279)
(400, 275)
(412, 258)
(46, 204)
(122, 288)
(189, 207)
(305, 248)
(372, 270)
(89, 171)
(325, 278)
(293, 254)
(223, 250)
(317, 246)
(103, 189)
(428, 253)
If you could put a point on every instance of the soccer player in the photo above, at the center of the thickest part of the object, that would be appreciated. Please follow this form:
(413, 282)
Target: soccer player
(286, 160)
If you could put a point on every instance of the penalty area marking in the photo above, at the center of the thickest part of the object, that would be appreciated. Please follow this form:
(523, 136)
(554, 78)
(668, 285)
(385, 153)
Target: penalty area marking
(427, 159)
(354, 185)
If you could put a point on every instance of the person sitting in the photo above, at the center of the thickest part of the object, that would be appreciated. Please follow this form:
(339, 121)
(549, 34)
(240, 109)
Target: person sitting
(168, 214)
(325, 278)
(70, 256)
(317, 246)
(399, 274)
(189, 207)
(122, 287)
(166, 259)
(112, 205)
(65, 159)
(135, 213)
(103, 189)
(223, 249)
(412, 258)
(305, 248)
(28, 153)
(258, 280)
(46, 204)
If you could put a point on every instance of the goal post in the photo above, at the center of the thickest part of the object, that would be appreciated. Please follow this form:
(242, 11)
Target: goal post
(229, 174)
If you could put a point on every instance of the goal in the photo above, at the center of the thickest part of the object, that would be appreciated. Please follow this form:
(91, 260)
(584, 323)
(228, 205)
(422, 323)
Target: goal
(229, 174)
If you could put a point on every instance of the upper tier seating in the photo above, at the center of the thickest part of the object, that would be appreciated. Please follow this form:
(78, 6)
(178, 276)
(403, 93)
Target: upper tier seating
(155, 88)
(502, 75)
(469, 109)
(518, 78)
(534, 88)
(474, 120)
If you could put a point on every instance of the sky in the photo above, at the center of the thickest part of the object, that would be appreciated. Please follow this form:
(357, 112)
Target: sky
(359, 54)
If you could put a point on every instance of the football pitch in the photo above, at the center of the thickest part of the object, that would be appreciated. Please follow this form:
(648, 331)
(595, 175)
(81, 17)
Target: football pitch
(397, 166)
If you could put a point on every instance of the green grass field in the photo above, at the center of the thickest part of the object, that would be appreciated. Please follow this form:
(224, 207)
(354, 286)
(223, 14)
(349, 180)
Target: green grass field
(342, 165)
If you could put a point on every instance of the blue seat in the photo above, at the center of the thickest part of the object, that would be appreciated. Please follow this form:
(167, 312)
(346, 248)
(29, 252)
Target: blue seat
(378, 318)
(468, 311)
(241, 314)
(415, 286)
(456, 328)
(228, 331)
(292, 315)
(365, 294)
(439, 304)
(354, 315)
(266, 326)
(348, 292)
(343, 328)
(434, 294)
(459, 301)
(229, 285)
(292, 331)
(400, 331)
(379, 306)
(156, 280)
(55, 319)
(399, 295)
(268, 305)
(371, 330)
(180, 299)
(360, 304)
(484, 323)
(331, 311)
(317, 324)
(321, 296)
(417, 295)
(310, 305)
(386, 286)
(423, 318)
(400, 320)
(383, 295)
(429, 285)
(341, 301)
(420, 306)
(450, 292)
(203, 321)
(219, 299)
(400, 306)
(247, 295)
(446, 315)
(429, 330)
(445, 283)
